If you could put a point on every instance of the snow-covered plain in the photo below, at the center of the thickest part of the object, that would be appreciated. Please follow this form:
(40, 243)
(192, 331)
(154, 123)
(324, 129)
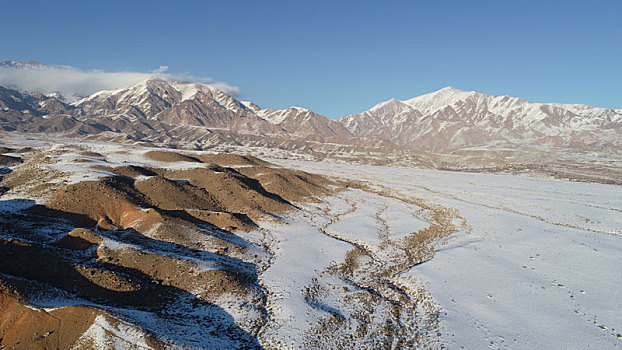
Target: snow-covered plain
(308, 292)
(538, 265)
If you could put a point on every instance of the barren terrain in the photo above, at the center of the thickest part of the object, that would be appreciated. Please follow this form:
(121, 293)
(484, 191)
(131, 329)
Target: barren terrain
(121, 246)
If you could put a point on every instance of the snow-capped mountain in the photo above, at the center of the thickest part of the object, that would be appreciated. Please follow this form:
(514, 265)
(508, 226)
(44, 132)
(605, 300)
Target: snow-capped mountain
(451, 119)
(22, 65)
(168, 112)
(175, 103)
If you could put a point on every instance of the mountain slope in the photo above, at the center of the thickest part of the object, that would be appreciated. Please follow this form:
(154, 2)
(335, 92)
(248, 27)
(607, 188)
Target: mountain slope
(450, 119)
(175, 103)
(305, 123)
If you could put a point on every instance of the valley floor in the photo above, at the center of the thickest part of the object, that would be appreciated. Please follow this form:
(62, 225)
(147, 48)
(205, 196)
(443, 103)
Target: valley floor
(538, 264)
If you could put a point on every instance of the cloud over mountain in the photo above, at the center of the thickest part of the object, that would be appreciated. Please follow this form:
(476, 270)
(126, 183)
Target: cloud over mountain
(72, 82)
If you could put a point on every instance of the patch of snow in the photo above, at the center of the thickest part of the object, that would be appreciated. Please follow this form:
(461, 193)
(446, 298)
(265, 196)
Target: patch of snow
(302, 253)
(118, 334)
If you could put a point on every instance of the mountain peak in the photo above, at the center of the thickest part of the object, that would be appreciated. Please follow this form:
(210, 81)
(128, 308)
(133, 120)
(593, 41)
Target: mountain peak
(22, 65)
(250, 105)
(452, 90)
(449, 89)
(190, 89)
(437, 99)
(391, 102)
(299, 109)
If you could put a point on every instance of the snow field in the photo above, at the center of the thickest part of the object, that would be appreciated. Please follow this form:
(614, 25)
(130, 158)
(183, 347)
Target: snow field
(539, 267)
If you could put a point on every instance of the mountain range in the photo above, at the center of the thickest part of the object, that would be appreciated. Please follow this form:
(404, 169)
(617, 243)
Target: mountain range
(197, 115)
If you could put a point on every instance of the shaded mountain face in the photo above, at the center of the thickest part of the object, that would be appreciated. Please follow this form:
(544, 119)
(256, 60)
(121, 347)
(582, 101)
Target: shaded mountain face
(182, 113)
(451, 119)
(303, 122)
(13, 100)
(19, 110)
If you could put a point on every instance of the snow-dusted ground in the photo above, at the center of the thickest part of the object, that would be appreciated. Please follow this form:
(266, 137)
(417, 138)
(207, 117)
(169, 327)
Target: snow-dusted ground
(539, 267)
(305, 293)
(106, 335)
(301, 253)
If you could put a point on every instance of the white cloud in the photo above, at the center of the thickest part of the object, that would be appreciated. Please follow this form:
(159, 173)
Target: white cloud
(161, 69)
(73, 82)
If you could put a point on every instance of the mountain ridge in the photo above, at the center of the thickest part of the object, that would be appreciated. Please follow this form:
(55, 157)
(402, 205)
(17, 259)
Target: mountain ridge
(442, 121)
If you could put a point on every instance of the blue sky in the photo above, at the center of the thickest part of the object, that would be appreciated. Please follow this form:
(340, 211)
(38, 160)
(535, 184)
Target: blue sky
(338, 57)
